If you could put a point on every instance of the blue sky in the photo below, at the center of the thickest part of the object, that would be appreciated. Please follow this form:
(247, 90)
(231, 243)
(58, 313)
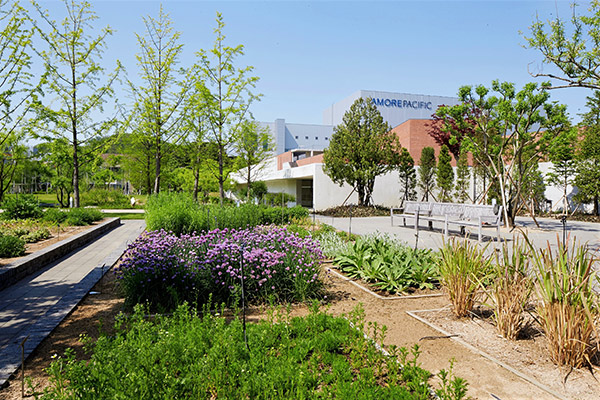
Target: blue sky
(309, 55)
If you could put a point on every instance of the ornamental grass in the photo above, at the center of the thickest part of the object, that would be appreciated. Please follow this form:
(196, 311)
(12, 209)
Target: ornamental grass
(463, 267)
(568, 305)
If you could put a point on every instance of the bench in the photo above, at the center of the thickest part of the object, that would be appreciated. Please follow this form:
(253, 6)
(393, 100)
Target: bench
(475, 215)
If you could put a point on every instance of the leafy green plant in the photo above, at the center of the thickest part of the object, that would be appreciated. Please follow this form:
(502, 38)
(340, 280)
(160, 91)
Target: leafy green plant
(21, 206)
(568, 305)
(54, 215)
(204, 356)
(11, 246)
(463, 267)
(388, 264)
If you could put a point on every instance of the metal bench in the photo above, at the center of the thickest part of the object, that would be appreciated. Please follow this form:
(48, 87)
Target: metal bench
(475, 215)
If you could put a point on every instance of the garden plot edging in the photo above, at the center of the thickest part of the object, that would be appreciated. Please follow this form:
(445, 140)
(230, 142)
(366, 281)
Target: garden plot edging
(457, 339)
(14, 272)
(372, 293)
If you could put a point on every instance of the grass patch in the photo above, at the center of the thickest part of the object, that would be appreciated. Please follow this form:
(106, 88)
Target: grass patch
(124, 215)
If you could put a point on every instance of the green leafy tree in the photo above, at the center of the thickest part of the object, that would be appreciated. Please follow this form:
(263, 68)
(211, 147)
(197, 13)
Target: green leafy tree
(571, 47)
(587, 178)
(463, 177)
(157, 112)
(562, 155)
(362, 147)
(407, 175)
(227, 94)
(76, 79)
(445, 174)
(427, 172)
(510, 128)
(253, 147)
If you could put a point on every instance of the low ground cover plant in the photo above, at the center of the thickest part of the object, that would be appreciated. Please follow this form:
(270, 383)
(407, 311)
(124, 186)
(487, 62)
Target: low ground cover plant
(164, 270)
(388, 264)
(180, 214)
(202, 356)
(28, 230)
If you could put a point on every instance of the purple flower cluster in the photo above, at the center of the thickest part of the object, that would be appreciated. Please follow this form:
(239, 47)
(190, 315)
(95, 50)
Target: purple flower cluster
(164, 269)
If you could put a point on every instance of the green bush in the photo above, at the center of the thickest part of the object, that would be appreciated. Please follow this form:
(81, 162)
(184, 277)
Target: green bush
(11, 246)
(205, 357)
(21, 206)
(54, 215)
(83, 216)
(105, 199)
(178, 213)
(36, 235)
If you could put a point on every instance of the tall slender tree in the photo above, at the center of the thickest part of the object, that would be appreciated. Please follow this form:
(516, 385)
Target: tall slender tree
(407, 175)
(587, 178)
(463, 176)
(159, 99)
(227, 93)
(445, 174)
(253, 147)
(76, 79)
(427, 172)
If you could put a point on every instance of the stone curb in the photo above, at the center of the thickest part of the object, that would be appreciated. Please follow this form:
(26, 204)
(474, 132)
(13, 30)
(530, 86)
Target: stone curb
(12, 273)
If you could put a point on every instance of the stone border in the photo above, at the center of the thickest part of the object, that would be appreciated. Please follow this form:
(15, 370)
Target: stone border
(14, 272)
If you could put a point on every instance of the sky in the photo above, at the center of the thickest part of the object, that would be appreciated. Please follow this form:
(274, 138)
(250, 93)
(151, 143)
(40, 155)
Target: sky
(309, 55)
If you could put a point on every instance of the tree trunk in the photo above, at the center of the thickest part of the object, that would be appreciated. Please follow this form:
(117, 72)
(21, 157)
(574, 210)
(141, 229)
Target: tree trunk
(196, 182)
(157, 158)
(221, 180)
(596, 208)
(248, 183)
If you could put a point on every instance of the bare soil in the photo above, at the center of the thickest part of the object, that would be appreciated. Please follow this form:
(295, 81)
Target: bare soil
(96, 313)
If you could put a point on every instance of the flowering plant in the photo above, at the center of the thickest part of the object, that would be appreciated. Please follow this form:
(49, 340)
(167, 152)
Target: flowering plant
(164, 270)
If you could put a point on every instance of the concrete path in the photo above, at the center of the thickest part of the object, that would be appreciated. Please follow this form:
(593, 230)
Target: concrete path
(550, 229)
(37, 304)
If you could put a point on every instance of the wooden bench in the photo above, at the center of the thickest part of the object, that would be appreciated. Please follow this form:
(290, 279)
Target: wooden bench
(475, 215)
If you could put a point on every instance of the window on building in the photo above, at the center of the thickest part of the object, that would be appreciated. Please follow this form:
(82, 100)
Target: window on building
(326, 138)
(296, 137)
(316, 138)
(305, 137)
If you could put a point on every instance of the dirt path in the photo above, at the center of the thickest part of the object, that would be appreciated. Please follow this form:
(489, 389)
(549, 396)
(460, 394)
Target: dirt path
(484, 377)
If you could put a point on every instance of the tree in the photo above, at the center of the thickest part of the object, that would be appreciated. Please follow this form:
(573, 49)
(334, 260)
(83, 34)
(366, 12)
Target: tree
(572, 49)
(463, 177)
(449, 125)
(445, 174)
(407, 175)
(510, 128)
(159, 100)
(18, 94)
(362, 147)
(562, 155)
(227, 93)
(253, 147)
(587, 178)
(427, 172)
(74, 76)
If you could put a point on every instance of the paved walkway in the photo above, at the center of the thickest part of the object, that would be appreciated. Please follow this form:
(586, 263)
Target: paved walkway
(37, 304)
(550, 229)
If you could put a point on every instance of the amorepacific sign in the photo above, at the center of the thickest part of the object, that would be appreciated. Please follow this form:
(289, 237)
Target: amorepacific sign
(402, 103)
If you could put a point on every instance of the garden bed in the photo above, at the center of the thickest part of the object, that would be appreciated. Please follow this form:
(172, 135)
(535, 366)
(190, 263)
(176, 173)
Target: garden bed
(528, 355)
(97, 312)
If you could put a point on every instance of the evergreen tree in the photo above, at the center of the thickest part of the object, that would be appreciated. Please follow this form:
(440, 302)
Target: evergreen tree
(463, 177)
(427, 172)
(445, 175)
(408, 176)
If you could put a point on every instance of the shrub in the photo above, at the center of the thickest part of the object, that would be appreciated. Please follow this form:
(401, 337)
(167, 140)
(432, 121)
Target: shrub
(21, 206)
(164, 270)
(205, 357)
(510, 290)
(11, 246)
(178, 213)
(36, 235)
(463, 267)
(105, 198)
(83, 216)
(569, 305)
(54, 215)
